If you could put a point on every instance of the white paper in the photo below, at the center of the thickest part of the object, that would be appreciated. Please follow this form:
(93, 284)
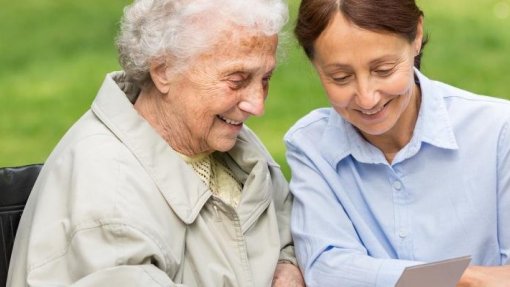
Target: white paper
(444, 273)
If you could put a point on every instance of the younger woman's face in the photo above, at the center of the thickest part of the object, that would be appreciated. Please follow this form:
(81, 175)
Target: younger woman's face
(368, 76)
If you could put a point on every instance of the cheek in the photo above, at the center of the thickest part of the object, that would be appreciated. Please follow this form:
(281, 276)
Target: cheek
(399, 84)
(339, 97)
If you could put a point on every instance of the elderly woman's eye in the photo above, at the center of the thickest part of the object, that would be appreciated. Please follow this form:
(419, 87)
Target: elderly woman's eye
(237, 81)
(266, 79)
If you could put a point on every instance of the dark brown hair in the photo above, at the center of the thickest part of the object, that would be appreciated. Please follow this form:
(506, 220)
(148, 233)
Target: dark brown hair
(398, 17)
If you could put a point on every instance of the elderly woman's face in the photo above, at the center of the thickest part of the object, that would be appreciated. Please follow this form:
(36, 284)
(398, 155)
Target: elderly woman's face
(368, 76)
(209, 102)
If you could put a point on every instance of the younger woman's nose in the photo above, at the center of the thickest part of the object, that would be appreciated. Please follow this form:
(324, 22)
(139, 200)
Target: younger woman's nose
(366, 97)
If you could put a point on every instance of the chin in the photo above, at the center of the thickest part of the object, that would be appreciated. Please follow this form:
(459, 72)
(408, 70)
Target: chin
(224, 146)
(374, 131)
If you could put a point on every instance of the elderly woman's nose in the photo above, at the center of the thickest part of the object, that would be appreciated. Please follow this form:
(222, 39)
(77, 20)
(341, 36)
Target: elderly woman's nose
(253, 101)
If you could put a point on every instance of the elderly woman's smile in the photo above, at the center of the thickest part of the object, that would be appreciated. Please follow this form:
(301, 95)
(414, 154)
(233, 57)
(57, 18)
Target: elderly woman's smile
(203, 108)
(229, 121)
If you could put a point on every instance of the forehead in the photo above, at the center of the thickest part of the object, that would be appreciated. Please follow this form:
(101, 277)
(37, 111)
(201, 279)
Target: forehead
(242, 48)
(345, 41)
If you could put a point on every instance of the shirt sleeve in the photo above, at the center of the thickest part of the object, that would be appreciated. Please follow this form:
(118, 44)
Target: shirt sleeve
(327, 246)
(103, 254)
(504, 194)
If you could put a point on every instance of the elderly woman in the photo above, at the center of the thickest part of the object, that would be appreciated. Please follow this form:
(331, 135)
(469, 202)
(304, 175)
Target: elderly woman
(401, 169)
(161, 183)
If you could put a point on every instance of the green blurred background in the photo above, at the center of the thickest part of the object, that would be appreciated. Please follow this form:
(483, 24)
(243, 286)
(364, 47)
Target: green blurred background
(54, 55)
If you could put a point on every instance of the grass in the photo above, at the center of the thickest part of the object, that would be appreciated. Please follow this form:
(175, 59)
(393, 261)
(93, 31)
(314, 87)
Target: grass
(54, 55)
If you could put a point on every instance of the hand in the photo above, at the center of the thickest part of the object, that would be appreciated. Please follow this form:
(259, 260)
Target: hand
(485, 276)
(287, 275)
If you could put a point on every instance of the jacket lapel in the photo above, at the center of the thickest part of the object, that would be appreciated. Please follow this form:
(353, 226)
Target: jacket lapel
(176, 181)
(257, 190)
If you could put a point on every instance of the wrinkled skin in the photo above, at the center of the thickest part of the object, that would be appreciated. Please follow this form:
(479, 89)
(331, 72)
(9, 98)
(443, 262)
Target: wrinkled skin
(287, 275)
(203, 108)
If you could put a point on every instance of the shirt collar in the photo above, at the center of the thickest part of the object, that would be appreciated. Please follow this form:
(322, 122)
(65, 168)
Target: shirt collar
(434, 125)
(340, 139)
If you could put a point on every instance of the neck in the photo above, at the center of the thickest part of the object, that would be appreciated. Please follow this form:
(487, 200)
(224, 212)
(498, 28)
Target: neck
(153, 107)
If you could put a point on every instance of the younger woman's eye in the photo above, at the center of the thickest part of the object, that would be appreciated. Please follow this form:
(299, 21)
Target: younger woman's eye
(341, 79)
(384, 72)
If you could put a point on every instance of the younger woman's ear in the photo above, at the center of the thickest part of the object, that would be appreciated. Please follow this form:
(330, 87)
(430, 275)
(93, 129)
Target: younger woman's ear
(419, 37)
(159, 75)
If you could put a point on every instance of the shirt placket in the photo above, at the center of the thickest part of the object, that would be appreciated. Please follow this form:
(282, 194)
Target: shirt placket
(403, 228)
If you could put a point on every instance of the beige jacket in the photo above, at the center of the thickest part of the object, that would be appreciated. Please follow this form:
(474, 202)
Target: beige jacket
(115, 206)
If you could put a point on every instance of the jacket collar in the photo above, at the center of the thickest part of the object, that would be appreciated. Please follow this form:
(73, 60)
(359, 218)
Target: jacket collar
(178, 183)
(113, 106)
(251, 167)
(433, 126)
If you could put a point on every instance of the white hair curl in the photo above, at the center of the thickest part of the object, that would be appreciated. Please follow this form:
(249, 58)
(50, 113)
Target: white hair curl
(151, 30)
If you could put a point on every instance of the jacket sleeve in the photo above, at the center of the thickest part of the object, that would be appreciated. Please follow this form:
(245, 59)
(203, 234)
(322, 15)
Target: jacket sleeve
(281, 197)
(106, 253)
(126, 276)
(283, 204)
(327, 246)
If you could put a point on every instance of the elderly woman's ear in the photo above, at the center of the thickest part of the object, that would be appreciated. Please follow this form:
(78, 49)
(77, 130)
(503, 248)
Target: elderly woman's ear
(160, 77)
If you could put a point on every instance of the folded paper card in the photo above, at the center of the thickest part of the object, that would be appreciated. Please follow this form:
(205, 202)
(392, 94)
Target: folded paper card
(444, 273)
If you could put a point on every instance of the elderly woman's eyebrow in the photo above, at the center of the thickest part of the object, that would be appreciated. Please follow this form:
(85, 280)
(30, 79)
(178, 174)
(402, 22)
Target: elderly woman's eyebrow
(246, 69)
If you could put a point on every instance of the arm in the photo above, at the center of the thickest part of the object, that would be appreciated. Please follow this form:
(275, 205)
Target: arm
(127, 276)
(104, 254)
(283, 204)
(287, 274)
(504, 194)
(497, 276)
(484, 276)
(327, 245)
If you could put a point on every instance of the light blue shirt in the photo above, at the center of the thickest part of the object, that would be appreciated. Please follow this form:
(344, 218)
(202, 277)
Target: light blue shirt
(359, 221)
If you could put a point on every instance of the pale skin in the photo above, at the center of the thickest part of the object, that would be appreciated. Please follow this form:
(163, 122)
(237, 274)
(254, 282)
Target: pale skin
(369, 80)
(203, 108)
(287, 275)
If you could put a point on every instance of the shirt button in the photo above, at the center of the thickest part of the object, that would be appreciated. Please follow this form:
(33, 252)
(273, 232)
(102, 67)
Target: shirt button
(403, 233)
(397, 185)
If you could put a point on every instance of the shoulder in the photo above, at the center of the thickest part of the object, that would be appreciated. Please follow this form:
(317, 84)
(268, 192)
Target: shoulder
(311, 126)
(247, 135)
(88, 138)
(457, 99)
(469, 113)
(89, 172)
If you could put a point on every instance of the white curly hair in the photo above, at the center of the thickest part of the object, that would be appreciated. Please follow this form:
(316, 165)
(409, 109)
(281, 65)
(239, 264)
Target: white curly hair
(153, 30)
